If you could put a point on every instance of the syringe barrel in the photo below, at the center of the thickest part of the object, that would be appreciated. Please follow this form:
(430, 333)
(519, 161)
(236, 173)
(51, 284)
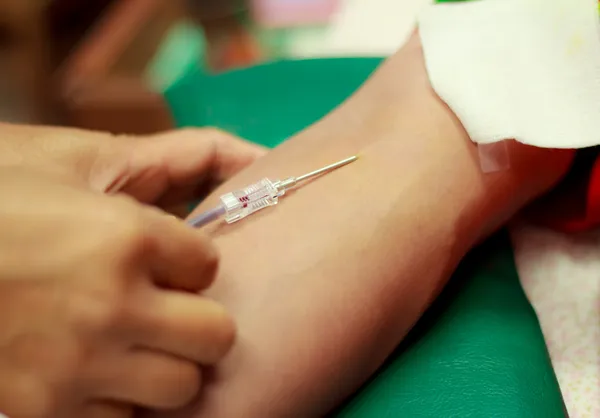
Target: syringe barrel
(250, 199)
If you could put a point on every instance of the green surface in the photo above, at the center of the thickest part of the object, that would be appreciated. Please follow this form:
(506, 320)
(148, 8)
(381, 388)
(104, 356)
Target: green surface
(183, 48)
(478, 352)
(267, 103)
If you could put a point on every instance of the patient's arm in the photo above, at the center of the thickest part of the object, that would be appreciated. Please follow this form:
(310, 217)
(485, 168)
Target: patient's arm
(325, 285)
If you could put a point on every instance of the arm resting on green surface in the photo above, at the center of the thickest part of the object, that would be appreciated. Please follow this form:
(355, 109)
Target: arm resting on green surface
(325, 285)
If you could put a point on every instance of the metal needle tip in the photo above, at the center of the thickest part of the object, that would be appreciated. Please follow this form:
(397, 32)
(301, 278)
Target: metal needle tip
(326, 169)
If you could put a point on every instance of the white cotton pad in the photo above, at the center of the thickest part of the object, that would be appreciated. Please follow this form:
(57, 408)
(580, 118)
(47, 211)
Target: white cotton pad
(518, 69)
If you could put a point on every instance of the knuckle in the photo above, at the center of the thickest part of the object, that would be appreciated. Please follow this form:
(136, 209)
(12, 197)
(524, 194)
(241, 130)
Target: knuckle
(97, 311)
(132, 238)
(180, 386)
(122, 226)
(97, 305)
(128, 234)
(106, 315)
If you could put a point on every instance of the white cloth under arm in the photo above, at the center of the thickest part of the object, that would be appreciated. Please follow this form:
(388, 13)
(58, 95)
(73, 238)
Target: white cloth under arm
(518, 69)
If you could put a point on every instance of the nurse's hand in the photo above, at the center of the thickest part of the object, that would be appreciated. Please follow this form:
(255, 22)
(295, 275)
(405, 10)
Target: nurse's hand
(98, 310)
(166, 170)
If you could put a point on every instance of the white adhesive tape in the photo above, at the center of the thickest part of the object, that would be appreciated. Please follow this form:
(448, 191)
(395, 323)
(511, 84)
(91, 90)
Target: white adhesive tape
(494, 157)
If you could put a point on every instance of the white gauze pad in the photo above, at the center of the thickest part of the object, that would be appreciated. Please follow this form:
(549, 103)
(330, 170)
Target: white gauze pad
(518, 69)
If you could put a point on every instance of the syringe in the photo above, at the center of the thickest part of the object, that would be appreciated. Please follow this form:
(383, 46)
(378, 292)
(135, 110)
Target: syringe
(238, 204)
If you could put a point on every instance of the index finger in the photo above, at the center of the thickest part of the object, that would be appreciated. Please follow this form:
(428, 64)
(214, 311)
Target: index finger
(180, 257)
(206, 151)
(201, 158)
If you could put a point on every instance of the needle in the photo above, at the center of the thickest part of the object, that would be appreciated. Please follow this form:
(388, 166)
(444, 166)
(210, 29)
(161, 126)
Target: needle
(241, 203)
(292, 181)
(330, 167)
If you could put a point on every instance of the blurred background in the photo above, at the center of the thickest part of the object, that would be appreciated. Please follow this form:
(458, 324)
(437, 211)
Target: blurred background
(104, 64)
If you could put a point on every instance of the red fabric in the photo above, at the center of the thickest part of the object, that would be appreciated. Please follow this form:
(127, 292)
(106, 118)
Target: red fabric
(575, 205)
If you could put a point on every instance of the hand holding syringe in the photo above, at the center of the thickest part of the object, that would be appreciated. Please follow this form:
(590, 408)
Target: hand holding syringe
(238, 204)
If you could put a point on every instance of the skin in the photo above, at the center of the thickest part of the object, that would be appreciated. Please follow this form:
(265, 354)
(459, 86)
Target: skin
(165, 170)
(324, 286)
(99, 308)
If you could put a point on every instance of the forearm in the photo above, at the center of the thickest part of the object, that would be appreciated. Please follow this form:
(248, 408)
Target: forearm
(325, 285)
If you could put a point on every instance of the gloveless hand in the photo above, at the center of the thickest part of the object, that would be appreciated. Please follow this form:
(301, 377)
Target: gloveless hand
(97, 302)
(165, 169)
